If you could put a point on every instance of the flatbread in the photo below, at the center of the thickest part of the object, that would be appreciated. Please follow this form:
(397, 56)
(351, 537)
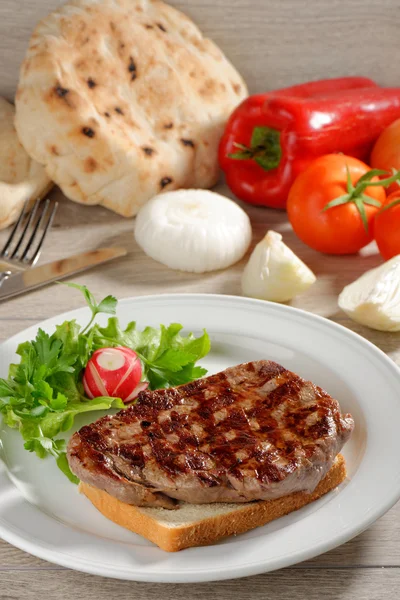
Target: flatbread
(21, 178)
(122, 99)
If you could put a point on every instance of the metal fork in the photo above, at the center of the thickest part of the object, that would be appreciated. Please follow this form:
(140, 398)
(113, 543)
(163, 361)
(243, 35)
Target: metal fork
(24, 245)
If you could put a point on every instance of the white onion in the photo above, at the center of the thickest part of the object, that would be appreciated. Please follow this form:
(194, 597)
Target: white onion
(193, 230)
(374, 299)
(274, 272)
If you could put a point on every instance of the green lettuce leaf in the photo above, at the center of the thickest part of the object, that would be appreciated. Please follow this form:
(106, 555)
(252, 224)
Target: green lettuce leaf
(164, 352)
(44, 392)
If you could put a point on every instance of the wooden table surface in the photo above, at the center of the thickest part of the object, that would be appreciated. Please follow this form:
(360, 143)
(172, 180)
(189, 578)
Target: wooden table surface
(273, 43)
(365, 568)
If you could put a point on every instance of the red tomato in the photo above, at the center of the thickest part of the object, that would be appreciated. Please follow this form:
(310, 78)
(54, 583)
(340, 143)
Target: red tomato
(340, 229)
(387, 228)
(114, 372)
(386, 151)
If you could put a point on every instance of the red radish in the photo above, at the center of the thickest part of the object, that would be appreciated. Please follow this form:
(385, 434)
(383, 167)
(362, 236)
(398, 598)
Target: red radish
(114, 372)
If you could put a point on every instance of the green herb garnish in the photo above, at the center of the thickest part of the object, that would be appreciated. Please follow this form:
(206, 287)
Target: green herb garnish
(44, 391)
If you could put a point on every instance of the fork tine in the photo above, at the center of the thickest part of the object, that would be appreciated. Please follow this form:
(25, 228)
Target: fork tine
(5, 250)
(34, 233)
(25, 229)
(32, 261)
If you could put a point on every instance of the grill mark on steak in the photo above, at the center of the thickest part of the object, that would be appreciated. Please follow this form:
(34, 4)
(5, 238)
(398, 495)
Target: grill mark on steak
(93, 438)
(255, 431)
(133, 453)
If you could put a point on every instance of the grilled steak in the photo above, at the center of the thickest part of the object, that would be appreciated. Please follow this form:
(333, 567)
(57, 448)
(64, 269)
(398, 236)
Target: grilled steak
(255, 431)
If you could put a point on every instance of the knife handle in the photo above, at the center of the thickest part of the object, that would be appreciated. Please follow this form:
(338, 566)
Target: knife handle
(3, 276)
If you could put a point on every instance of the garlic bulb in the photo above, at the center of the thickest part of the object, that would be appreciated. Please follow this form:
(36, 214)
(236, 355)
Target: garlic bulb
(193, 230)
(374, 299)
(274, 272)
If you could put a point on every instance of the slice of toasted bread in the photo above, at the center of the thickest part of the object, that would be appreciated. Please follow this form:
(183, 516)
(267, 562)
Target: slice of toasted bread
(203, 524)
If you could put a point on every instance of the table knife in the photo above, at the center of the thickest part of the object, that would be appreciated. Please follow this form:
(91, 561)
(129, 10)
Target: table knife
(19, 283)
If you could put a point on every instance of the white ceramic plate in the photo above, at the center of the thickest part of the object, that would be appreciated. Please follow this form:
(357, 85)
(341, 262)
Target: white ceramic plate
(42, 513)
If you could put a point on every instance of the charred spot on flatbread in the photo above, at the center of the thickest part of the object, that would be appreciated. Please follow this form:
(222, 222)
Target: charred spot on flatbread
(165, 181)
(189, 143)
(88, 131)
(148, 150)
(61, 91)
(132, 68)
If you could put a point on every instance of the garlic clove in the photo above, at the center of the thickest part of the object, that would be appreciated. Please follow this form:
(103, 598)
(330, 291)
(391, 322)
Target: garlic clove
(374, 298)
(193, 230)
(274, 272)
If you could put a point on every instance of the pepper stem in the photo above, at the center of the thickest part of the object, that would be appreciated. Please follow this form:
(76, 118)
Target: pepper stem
(355, 194)
(265, 148)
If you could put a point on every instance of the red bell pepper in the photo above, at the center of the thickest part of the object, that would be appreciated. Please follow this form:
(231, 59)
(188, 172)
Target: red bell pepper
(270, 138)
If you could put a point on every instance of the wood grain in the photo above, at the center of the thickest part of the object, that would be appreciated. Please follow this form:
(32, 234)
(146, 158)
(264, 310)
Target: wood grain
(273, 44)
(80, 228)
(306, 584)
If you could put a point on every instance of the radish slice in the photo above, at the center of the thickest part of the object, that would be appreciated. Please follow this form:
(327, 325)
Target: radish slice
(139, 388)
(88, 391)
(114, 372)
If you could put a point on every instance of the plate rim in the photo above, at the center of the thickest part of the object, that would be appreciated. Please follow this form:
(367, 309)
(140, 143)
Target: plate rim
(229, 572)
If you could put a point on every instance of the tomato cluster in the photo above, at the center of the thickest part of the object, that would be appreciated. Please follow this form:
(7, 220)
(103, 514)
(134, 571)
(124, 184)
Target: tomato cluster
(338, 204)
